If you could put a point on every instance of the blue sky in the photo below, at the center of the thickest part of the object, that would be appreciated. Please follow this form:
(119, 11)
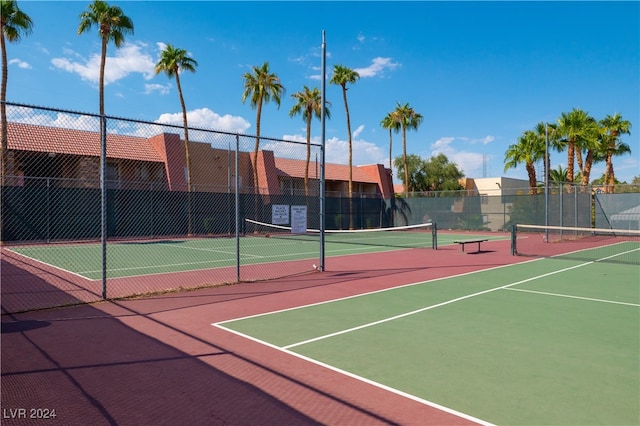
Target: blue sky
(480, 73)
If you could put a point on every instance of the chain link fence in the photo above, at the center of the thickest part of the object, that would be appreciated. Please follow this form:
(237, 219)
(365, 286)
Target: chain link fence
(617, 211)
(568, 205)
(168, 223)
(158, 222)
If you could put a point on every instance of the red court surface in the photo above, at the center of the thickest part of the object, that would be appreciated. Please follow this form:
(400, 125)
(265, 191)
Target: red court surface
(158, 360)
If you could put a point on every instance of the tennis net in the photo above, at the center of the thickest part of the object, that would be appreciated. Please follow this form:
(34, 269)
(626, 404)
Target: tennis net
(411, 236)
(589, 244)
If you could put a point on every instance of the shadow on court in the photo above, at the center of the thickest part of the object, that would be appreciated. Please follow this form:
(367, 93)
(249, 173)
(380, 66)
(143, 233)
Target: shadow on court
(92, 369)
(29, 285)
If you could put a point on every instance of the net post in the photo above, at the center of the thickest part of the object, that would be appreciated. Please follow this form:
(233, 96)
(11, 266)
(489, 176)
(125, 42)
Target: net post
(434, 236)
(514, 249)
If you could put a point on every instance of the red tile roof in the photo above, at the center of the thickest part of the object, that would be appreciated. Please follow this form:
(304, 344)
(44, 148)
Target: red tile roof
(338, 172)
(28, 137)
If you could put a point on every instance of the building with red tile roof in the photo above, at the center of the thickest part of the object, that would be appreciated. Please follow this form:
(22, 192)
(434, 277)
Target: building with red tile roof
(72, 157)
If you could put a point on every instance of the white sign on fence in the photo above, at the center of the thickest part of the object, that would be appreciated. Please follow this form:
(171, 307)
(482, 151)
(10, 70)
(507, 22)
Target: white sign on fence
(298, 219)
(280, 214)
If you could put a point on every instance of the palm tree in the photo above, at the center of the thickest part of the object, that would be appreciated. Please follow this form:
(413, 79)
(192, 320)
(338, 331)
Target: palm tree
(612, 126)
(260, 86)
(408, 118)
(575, 131)
(172, 61)
(548, 132)
(13, 24)
(112, 25)
(342, 76)
(309, 104)
(528, 150)
(390, 122)
(558, 175)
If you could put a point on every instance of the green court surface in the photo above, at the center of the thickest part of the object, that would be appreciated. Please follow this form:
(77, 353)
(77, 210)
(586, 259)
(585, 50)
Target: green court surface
(549, 341)
(135, 258)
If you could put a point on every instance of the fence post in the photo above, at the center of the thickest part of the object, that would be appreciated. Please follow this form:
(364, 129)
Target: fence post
(237, 209)
(103, 201)
(48, 210)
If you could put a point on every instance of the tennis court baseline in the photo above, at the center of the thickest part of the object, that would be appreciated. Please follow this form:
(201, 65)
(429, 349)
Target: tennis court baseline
(548, 341)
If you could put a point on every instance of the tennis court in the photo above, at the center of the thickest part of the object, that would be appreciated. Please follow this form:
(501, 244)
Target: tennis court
(273, 245)
(547, 341)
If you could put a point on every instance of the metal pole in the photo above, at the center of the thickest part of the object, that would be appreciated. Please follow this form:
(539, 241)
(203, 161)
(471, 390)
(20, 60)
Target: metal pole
(546, 182)
(561, 207)
(322, 152)
(48, 210)
(228, 203)
(575, 205)
(103, 201)
(237, 211)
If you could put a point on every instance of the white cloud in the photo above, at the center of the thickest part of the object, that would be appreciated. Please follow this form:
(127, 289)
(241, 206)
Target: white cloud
(162, 89)
(129, 59)
(21, 64)
(364, 152)
(378, 67)
(337, 150)
(484, 141)
(357, 132)
(207, 119)
(52, 119)
(488, 139)
(470, 163)
(41, 48)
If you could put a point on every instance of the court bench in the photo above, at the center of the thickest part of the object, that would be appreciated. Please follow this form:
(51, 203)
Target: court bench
(478, 241)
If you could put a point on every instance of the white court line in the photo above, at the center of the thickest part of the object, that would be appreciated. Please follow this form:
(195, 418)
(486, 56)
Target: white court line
(573, 297)
(427, 308)
(207, 250)
(77, 274)
(133, 268)
(364, 379)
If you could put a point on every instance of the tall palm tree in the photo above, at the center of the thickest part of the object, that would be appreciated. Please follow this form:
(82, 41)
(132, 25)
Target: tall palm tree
(309, 104)
(528, 150)
(575, 130)
(342, 76)
(260, 86)
(14, 23)
(390, 122)
(612, 126)
(408, 118)
(172, 61)
(112, 25)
